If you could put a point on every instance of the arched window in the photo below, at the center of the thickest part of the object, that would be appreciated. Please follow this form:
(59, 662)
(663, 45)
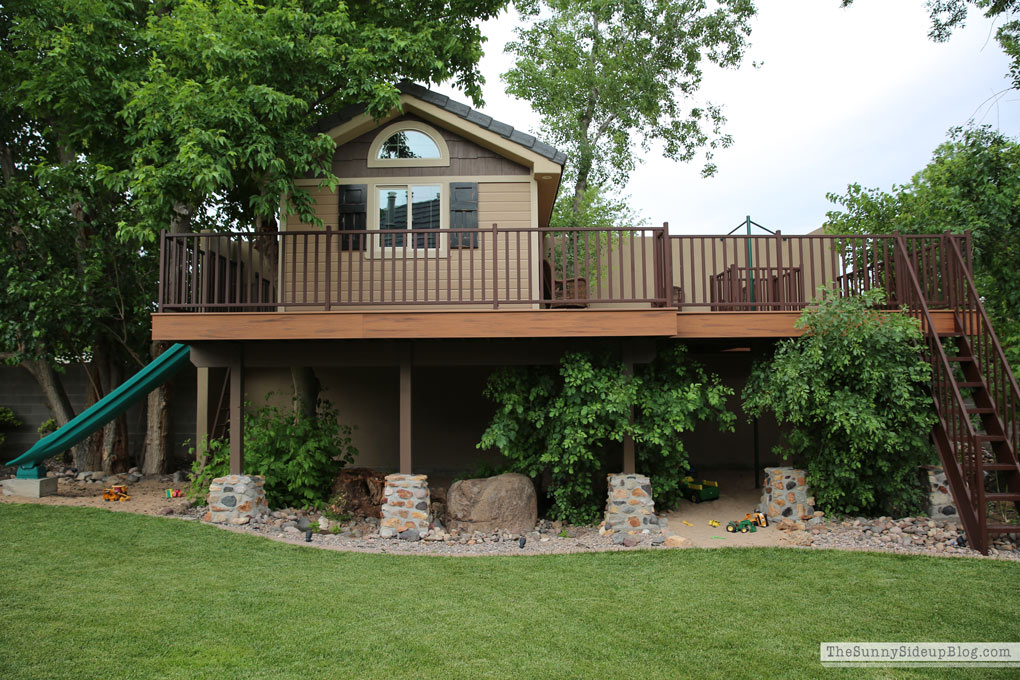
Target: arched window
(408, 144)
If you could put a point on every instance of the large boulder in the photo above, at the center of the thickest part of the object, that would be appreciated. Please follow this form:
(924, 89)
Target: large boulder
(506, 502)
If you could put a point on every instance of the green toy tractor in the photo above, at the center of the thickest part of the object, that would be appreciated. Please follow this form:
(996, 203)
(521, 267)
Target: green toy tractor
(696, 492)
(744, 526)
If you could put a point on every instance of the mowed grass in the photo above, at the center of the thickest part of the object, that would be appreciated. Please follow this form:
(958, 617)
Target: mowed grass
(88, 593)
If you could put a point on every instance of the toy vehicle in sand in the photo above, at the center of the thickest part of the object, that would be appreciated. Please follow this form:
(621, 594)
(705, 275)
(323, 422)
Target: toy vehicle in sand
(696, 492)
(117, 492)
(749, 524)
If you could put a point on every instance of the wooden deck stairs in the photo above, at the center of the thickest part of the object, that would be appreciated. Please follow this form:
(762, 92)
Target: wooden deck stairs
(976, 397)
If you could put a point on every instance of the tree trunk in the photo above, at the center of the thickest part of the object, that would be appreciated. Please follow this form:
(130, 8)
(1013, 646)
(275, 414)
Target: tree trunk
(115, 434)
(157, 424)
(306, 391)
(56, 399)
(90, 455)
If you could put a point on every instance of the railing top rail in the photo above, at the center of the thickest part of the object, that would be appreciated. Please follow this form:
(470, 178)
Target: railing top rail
(942, 358)
(780, 235)
(472, 230)
(762, 237)
(972, 289)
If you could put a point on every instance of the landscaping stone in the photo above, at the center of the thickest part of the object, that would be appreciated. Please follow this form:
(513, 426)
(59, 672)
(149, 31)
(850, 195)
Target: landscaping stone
(677, 542)
(234, 497)
(505, 502)
(409, 535)
(398, 513)
(630, 508)
(940, 500)
(785, 494)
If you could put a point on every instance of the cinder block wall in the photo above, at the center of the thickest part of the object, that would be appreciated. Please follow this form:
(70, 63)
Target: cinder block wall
(20, 393)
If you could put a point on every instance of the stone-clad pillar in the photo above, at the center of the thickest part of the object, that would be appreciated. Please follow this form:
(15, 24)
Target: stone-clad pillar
(630, 507)
(405, 505)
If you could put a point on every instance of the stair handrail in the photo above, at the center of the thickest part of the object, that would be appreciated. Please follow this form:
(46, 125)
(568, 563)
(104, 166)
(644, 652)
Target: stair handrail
(973, 521)
(1011, 386)
(986, 321)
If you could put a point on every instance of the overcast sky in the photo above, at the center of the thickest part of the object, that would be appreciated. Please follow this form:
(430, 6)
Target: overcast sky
(855, 95)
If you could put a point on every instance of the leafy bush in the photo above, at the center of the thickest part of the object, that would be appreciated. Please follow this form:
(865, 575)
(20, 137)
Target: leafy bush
(336, 507)
(216, 463)
(8, 421)
(856, 392)
(557, 424)
(47, 427)
(299, 457)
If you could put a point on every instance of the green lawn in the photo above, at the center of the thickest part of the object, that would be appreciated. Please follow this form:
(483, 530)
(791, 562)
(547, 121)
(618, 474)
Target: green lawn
(88, 593)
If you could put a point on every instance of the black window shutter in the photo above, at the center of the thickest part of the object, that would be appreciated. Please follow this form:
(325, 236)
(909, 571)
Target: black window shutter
(463, 213)
(353, 214)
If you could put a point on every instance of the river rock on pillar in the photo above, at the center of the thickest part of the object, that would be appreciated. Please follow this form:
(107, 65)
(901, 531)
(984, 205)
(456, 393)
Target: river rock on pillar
(630, 507)
(785, 495)
(405, 505)
(236, 499)
(940, 500)
(507, 502)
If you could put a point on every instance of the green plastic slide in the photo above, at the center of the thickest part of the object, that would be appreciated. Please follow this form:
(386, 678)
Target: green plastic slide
(103, 411)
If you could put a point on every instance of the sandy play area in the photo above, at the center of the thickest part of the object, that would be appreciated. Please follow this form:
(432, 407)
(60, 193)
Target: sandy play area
(148, 497)
(737, 497)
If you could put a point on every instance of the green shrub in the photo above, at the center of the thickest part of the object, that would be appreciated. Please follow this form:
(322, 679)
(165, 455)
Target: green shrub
(8, 421)
(215, 464)
(558, 425)
(299, 457)
(336, 508)
(47, 427)
(855, 391)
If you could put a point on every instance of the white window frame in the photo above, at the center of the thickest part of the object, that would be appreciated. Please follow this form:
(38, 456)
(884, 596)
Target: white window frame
(381, 251)
(373, 151)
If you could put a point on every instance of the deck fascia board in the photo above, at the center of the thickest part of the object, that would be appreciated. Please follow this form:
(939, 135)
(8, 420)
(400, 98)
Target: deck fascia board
(546, 323)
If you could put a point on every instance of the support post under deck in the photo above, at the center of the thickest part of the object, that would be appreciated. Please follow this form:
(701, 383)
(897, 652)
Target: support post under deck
(237, 414)
(405, 409)
(629, 465)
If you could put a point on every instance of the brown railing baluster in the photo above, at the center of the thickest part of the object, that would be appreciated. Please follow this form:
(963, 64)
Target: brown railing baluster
(495, 269)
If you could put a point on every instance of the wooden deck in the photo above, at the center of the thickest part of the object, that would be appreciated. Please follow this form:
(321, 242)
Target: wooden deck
(545, 323)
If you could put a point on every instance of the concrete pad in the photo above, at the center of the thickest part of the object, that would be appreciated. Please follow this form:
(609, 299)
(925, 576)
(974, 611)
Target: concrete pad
(30, 488)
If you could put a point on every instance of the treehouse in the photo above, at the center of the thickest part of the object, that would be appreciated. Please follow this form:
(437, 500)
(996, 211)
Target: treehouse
(434, 262)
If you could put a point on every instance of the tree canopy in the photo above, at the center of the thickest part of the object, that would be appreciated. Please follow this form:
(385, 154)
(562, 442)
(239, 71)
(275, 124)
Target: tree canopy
(119, 118)
(608, 75)
(854, 393)
(948, 15)
(972, 183)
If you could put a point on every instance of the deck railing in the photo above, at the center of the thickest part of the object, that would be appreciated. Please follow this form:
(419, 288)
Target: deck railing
(499, 267)
(783, 273)
(492, 268)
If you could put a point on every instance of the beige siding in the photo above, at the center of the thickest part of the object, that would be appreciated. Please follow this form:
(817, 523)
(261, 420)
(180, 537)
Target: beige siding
(466, 159)
(696, 261)
(450, 413)
(390, 276)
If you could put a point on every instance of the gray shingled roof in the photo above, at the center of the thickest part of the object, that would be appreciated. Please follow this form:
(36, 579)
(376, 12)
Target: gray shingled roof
(462, 110)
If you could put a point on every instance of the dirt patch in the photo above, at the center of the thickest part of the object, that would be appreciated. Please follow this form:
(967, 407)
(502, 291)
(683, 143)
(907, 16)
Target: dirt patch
(148, 497)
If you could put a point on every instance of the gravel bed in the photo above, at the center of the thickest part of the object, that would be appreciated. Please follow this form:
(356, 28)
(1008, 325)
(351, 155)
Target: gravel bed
(362, 536)
(908, 535)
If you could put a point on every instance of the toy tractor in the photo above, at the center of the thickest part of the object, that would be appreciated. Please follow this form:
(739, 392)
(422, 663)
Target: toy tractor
(695, 492)
(749, 524)
(743, 526)
(116, 493)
